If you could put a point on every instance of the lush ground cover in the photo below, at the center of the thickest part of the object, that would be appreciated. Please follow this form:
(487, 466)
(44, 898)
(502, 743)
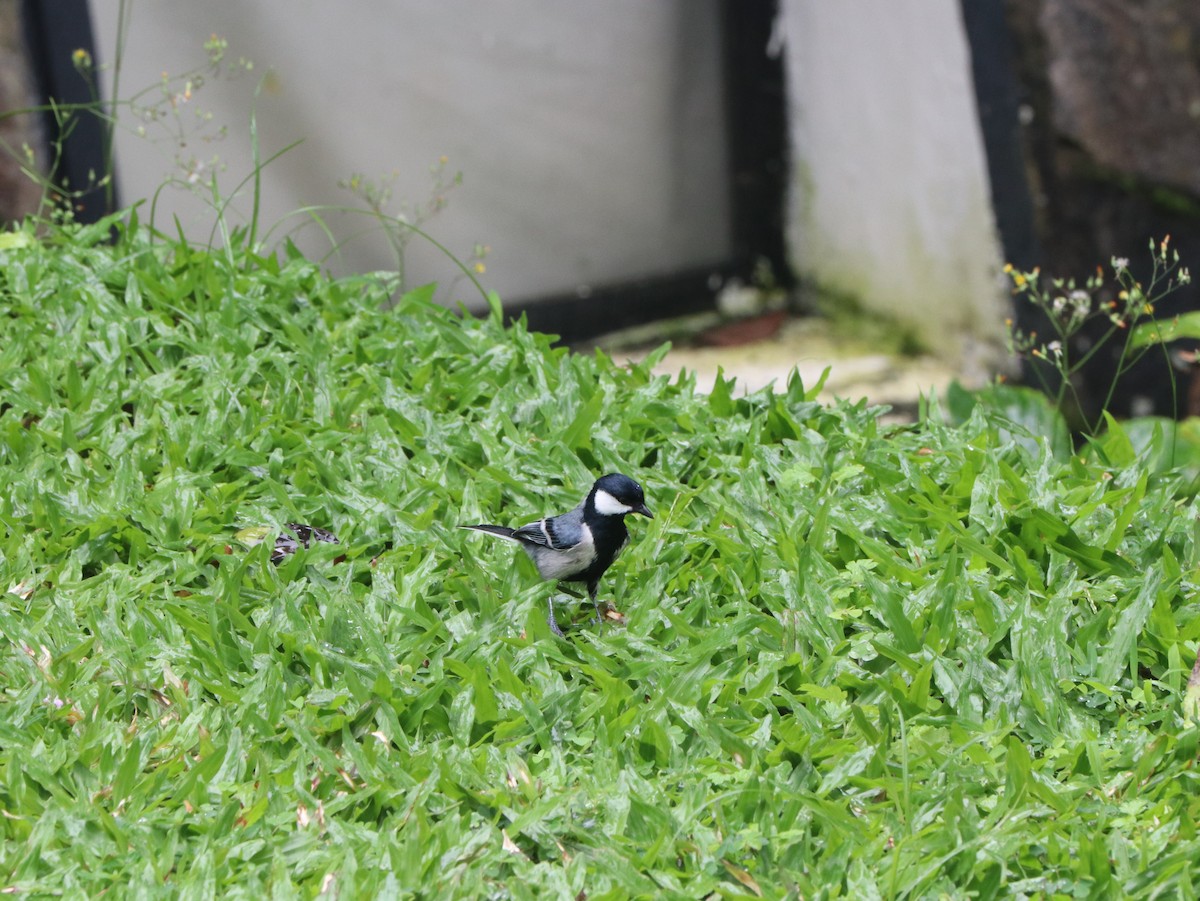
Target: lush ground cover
(857, 662)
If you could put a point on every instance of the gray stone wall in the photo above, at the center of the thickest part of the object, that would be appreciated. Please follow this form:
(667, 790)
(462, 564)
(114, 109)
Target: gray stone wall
(19, 194)
(1111, 133)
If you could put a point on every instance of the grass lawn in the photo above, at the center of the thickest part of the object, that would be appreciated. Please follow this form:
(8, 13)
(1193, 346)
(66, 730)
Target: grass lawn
(943, 660)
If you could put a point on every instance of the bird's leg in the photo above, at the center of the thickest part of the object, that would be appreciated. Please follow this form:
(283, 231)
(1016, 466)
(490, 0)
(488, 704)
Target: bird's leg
(592, 587)
(551, 621)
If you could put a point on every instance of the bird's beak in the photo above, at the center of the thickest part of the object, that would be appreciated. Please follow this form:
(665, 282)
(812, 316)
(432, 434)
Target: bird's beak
(644, 510)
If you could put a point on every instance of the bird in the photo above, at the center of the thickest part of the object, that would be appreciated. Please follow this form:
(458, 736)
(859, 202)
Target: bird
(578, 546)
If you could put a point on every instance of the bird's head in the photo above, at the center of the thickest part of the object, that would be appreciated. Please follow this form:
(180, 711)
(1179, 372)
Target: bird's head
(616, 495)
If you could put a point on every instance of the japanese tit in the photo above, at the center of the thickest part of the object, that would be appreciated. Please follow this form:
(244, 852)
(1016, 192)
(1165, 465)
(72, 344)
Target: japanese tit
(578, 546)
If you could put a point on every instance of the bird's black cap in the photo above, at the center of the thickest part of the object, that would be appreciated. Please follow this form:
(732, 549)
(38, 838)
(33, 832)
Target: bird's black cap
(625, 490)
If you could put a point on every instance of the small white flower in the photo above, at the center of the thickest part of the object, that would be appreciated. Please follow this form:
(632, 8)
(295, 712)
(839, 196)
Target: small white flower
(1081, 303)
(1120, 263)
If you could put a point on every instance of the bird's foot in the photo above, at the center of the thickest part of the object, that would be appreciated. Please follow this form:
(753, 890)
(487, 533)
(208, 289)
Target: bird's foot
(552, 622)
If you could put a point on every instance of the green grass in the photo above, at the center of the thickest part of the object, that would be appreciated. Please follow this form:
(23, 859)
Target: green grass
(942, 660)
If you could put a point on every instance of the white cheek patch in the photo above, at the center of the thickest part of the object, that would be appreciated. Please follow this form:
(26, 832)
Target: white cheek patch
(607, 505)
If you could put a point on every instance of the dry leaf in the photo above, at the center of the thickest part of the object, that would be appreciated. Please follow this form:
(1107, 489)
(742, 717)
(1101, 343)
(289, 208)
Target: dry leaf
(22, 589)
(742, 876)
(510, 845)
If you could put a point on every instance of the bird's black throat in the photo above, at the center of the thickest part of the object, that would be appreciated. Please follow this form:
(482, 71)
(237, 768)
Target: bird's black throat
(609, 536)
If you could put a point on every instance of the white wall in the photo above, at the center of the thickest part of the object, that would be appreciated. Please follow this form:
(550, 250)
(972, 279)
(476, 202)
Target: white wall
(590, 135)
(890, 202)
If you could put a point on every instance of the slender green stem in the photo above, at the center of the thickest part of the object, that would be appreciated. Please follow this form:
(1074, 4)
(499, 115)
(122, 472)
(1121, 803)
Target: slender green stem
(110, 131)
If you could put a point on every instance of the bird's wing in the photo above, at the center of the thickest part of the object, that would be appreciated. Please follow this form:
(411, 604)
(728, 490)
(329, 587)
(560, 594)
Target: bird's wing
(559, 533)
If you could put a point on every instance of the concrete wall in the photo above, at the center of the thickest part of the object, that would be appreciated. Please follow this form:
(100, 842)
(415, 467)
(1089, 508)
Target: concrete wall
(890, 206)
(590, 135)
(591, 139)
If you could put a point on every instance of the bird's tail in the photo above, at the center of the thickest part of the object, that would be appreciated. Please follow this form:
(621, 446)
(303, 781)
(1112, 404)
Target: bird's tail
(493, 530)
